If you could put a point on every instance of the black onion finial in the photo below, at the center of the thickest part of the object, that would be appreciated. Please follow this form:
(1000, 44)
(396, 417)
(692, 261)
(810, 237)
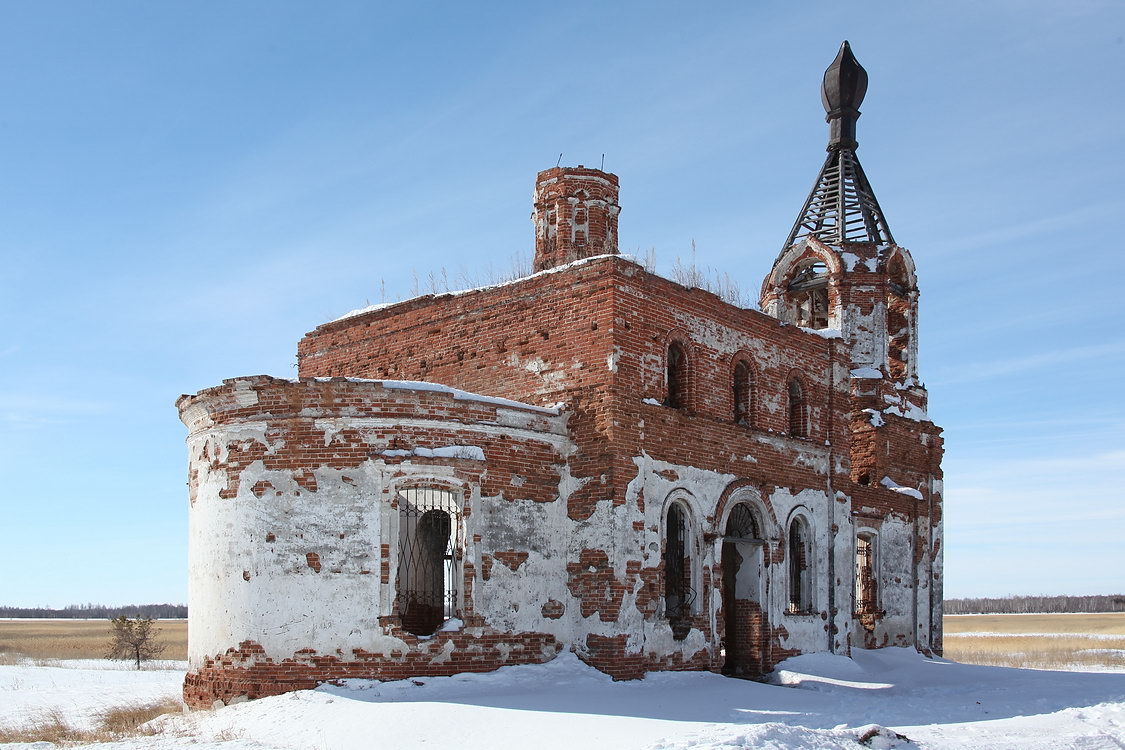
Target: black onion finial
(845, 84)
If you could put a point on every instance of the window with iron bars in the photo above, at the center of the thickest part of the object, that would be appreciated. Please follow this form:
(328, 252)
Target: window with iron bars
(800, 590)
(678, 593)
(866, 592)
(428, 564)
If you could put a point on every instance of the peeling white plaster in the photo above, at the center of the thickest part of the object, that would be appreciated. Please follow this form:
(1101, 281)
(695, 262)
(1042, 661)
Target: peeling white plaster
(470, 452)
(819, 464)
(244, 395)
(612, 359)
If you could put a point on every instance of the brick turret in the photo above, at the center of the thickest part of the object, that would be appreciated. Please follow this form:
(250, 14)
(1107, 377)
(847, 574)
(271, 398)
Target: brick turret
(575, 215)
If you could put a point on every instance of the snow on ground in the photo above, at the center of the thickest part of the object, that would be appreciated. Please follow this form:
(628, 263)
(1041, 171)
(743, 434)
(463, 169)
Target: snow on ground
(121, 665)
(81, 689)
(817, 701)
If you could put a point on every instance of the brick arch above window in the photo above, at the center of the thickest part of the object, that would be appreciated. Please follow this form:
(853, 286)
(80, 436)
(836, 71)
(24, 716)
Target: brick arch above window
(801, 253)
(747, 492)
(790, 294)
(900, 269)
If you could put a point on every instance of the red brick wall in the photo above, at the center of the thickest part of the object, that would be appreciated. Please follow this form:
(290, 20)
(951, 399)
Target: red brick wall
(595, 336)
(247, 671)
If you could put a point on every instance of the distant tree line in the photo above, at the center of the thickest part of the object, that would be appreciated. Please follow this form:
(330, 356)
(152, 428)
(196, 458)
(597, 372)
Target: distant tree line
(98, 611)
(1035, 604)
(966, 606)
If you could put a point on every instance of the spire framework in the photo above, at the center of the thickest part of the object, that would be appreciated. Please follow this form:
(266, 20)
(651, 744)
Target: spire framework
(841, 206)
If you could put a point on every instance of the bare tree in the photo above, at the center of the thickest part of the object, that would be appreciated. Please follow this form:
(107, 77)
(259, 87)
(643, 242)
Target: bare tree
(134, 639)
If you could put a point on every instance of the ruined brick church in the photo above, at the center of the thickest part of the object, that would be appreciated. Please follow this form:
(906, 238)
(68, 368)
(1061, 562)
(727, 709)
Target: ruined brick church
(591, 458)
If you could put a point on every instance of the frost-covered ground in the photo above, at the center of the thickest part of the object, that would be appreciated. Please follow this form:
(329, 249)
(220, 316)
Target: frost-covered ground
(818, 701)
(80, 689)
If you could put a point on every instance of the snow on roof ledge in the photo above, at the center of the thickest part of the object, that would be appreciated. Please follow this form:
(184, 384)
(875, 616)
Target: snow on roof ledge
(894, 486)
(362, 310)
(826, 333)
(867, 373)
(459, 292)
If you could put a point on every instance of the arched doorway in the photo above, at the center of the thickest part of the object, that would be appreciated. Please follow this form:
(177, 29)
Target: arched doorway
(746, 625)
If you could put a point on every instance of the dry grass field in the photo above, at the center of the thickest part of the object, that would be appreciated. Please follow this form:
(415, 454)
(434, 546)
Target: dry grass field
(1083, 641)
(1063, 641)
(118, 723)
(77, 639)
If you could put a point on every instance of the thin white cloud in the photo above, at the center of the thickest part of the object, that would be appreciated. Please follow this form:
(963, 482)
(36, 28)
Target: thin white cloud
(1000, 367)
(1028, 229)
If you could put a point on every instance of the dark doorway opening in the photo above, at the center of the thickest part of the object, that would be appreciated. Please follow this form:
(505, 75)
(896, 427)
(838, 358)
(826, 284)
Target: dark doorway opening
(746, 626)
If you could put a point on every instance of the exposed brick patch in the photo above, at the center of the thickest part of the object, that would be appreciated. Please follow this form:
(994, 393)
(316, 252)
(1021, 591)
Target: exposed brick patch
(650, 593)
(260, 488)
(511, 558)
(306, 479)
(591, 580)
(553, 609)
(607, 653)
(313, 561)
(248, 671)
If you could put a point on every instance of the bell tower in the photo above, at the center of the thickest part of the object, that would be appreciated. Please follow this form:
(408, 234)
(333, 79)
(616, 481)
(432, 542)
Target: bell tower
(840, 268)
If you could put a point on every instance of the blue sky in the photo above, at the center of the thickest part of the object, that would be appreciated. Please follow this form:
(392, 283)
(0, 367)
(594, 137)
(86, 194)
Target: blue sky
(187, 188)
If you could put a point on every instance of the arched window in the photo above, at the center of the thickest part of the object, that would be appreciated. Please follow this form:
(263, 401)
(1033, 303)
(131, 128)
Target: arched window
(676, 377)
(898, 319)
(798, 410)
(799, 554)
(678, 593)
(866, 582)
(743, 395)
(741, 524)
(809, 294)
(428, 573)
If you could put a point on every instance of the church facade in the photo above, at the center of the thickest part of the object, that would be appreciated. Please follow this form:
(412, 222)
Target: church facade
(591, 458)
